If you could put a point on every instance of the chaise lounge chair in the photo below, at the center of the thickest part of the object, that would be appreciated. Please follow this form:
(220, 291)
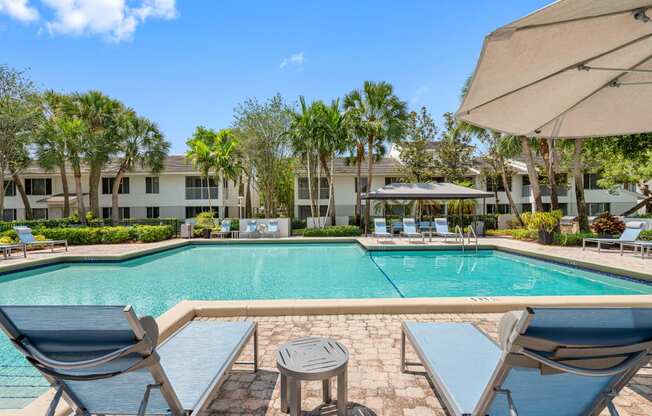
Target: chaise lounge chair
(550, 361)
(7, 248)
(441, 227)
(631, 233)
(26, 238)
(643, 245)
(380, 230)
(225, 229)
(104, 360)
(272, 230)
(410, 230)
(251, 229)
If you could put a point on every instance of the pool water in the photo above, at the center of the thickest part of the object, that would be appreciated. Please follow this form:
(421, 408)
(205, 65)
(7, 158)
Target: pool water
(155, 283)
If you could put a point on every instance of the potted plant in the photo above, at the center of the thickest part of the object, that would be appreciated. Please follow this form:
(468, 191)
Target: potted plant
(607, 226)
(545, 223)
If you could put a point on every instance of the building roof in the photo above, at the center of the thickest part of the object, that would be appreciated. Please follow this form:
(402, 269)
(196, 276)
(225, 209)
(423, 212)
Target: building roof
(172, 164)
(385, 166)
(426, 191)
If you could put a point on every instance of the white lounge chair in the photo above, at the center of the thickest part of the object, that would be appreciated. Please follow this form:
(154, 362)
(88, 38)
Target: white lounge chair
(380, 230)
(441, 227)
(104, 360)
(410, 230)
(225, 229)
(642, 245)
(7, 248)
(630, 235)
(26, 238)
(272, 230)
(251, 229)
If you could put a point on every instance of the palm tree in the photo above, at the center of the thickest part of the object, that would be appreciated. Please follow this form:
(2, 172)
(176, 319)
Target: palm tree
(532, 173)
(381, 117)
(202, 156)
(140, 142)
(224, 150)
(302, 134)
(74, 130)
(99, 112)
(51, 144)
(578, 176)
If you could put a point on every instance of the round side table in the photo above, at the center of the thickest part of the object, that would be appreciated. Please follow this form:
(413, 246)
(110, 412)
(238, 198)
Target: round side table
(312, 359)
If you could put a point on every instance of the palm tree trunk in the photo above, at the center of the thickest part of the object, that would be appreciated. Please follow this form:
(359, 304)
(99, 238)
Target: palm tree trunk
(115, 214)
(23, 195)
(370, 166)
(532, 173)
(331, 191)
(66, 191)
(582, 211)
(81, 206)
(2, 193)
(552, 180)
(208, 188)
(508, 192)
(310, 193)
(94, 178)
(358, 202)
(248, 210)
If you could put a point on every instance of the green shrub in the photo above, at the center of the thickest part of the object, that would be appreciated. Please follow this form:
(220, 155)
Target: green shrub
(7, 240)
(544, 221)
(499, 232)
(336, 231)
(152, 233)
(525, 234)
(298, 231)
(205, 219)
(570, 239)
(646, 235)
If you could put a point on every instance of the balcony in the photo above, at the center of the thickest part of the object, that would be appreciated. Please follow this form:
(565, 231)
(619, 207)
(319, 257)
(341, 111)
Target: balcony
(201, 192)
(545, 190)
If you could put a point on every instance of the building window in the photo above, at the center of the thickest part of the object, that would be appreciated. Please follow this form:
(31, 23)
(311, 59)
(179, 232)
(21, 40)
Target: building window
(123, 212)
(9, 214)
(151, 185)
(591, 181)
(364, 185)
(192, 212)
(153, 212)
(495, 184)
(39, 213)
(10, 188)
(304, 211)
(107, 186)
(304, 192)
(526, 208)
(41, 186)
(390, 180)
(196, 188)
(502, 209)
(597, 208)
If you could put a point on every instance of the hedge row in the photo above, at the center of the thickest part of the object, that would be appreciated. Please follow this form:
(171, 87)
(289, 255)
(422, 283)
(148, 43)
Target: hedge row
(101, 235)
(336, 231)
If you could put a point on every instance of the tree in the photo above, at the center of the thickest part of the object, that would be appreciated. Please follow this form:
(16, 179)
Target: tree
(52, 142)
(20, 120)
(417, 163)
(139, 143)
(201, 154)
(532, 173)
(264, 129)
(99, 114)
(381, 117)
(578, 179)
(454, 155)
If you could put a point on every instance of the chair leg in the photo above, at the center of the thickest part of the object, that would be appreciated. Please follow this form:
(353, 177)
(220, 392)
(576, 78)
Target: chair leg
(256, 350)
(294, 386)
(342, 390)
(403, 366)
(284, 394)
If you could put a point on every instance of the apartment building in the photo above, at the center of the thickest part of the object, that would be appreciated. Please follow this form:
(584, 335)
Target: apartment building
(176, 192)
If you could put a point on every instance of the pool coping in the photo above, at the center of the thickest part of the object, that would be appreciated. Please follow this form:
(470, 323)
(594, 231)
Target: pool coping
(186, 310)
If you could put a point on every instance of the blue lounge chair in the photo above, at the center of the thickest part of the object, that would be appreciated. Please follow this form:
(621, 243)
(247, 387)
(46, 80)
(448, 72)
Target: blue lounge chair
(272, 230)
(550, 361)
(380, 230)
(251, 229)
(410, 230)
(441, 227)
(104, 360)
(26, 238)
(225, 229)
(630, 235)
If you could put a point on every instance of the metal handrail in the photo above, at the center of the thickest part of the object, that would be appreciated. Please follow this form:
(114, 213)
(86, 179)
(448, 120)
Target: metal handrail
(472, 231)
(459, 231)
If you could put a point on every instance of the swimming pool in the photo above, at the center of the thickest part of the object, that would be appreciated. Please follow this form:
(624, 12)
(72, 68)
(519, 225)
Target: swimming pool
(155, 283)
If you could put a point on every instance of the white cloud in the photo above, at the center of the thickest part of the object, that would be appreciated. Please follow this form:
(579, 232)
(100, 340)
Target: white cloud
(19, 10)
(421, 92)
(296, 59)
(116, 20)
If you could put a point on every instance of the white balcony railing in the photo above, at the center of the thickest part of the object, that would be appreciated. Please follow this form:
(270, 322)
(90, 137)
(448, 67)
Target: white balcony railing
(545, 190)
(201, 192)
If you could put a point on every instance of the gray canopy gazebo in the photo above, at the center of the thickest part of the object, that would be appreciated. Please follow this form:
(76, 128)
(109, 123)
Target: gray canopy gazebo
(424, 192)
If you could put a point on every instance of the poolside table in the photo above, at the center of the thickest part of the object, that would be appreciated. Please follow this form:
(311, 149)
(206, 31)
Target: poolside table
(312, 359)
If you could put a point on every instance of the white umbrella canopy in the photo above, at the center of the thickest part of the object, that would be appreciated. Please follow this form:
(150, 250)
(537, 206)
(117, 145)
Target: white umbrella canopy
(576, 68)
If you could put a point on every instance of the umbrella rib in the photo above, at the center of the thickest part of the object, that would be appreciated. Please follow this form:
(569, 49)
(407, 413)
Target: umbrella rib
(610, 83)
(578, 65)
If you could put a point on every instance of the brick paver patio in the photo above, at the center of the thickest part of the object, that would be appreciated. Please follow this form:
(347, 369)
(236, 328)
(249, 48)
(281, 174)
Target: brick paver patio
(375, 381)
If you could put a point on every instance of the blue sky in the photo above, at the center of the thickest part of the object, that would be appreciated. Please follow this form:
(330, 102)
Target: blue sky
(190, 62)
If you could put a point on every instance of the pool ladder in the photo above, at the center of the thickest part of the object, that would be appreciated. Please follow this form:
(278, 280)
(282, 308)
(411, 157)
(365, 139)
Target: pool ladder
(470, 234)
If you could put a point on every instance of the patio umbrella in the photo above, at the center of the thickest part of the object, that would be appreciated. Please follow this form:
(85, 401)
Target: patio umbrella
(576, 68)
